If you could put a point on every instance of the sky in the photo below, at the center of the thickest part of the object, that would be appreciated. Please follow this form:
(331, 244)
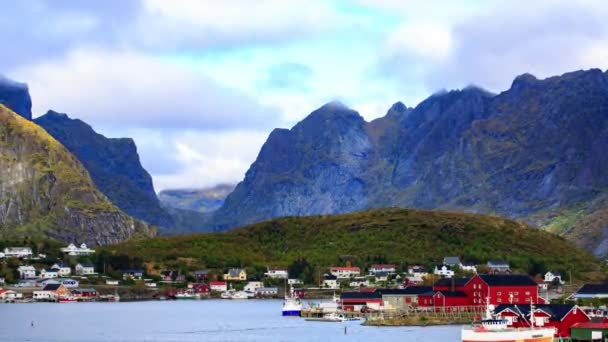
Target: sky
(199, 84)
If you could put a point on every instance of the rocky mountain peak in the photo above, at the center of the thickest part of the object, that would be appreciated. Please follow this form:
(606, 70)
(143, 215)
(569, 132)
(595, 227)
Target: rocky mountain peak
(16, 96)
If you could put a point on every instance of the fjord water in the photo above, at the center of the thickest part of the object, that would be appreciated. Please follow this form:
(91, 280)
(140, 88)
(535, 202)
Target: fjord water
(207, 320)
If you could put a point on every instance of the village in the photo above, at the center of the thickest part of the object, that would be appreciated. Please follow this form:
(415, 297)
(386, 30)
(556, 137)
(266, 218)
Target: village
(452, 292)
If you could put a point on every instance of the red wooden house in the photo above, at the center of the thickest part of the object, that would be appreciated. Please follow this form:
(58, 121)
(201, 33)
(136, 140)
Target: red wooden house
(443, 299)
(355, 301)
(502, 289)
(560, 316)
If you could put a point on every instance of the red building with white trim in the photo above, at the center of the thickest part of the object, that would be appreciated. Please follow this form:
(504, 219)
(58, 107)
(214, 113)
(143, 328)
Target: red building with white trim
(560, 316)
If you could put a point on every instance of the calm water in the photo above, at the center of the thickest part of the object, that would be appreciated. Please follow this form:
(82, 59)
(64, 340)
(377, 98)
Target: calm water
(207, 320)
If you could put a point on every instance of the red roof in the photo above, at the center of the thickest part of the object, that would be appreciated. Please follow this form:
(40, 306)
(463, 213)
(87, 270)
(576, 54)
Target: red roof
(383, 266)
(345, 268)
(590, 325)
(217, 283)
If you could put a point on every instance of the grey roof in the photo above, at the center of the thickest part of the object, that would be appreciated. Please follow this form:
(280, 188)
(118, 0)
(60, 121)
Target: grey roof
(498, 263)
(234, 272)
(451, 260)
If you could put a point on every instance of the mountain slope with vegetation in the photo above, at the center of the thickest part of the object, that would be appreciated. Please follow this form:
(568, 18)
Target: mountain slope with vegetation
(399, 236)
(535, 152)
(45, 191)
(203, 200)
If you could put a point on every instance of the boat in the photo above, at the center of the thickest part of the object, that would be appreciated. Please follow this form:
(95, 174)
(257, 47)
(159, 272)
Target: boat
(232, 294)
(186, 295)
(292, 306)
(227, 294)
(491, 329)
(332, 317)
(330, 307)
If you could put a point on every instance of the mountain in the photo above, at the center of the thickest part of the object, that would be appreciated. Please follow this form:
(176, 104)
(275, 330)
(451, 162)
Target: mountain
(16, 96)
(202, 200)
(400, 236)
(113, 164)
(534, 152)
(45, 191)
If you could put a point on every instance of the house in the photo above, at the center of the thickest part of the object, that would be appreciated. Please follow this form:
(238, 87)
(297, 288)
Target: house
(135, 274)
(26, 271)
(72, 250)
(63, 270)
(452, 261)
(111, 282)
(356, 301)
(2, 256)
(84, 293)
(201, 289)
(382, 268)
(589, 331)
(551, 277)
(51, 292)
(559, 316)
(85, 268)
(444, 271)
(201, 275)
(591, 291)
(266, 291)
(413, 280)
(218, 286)
(172, 276)
(345, 272)
(235, 274)
(330, 281)
(277, 273)
(27, 282)
(400, 299)
(18, 252)
(468, 267)
(498, 266)
(9, 295)
(381, 276)
(49, 273)
(418, 271)
(294, 281)
(2, 280)
(502, 289)
(253, 285)
(359, 282)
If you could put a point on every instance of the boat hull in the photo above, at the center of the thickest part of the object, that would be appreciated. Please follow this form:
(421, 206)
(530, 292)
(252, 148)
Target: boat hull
(291, 313)
(511, 335)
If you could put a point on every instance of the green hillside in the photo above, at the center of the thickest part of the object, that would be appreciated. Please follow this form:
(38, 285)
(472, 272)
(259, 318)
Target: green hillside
(399, 236)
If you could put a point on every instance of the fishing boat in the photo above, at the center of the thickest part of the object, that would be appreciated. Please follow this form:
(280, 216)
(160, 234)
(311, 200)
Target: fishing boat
(292, 306)
(491, 329)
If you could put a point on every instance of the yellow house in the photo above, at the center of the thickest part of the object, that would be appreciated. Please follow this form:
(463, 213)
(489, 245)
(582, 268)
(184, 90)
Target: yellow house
(235, 274)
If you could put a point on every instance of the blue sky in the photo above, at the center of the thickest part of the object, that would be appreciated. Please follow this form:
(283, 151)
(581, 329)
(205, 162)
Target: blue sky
(199, 84)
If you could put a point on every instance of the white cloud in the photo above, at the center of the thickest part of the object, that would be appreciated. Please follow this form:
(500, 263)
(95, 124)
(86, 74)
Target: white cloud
(131, 89)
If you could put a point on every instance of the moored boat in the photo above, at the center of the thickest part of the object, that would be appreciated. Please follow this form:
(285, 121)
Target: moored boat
(292, 306)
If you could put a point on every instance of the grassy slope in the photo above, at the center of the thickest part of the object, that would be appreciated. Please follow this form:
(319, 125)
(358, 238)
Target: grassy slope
(401, 235)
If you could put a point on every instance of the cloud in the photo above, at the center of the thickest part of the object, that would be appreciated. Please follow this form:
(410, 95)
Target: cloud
(289, 75)
(131, 89)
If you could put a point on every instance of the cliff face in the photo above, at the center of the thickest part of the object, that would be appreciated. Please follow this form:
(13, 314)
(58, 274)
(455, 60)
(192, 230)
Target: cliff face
(44, 190)
(16, 96)
(534, 152)
(113, 165)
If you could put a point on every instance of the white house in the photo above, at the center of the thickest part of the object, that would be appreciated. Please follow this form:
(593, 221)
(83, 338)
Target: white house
(111, 282)
(345, 272)
(294, 281)
(382, 268)
(85, 268)
(359, 282)
(26, 271)
(43, 295)
(63, 270)
(9, 295)
(49, 273)
(266, 291)
(277, 273)
(218, 286)
(72, 250)
(417, 271)
(444, 271)
(331, 282)
(2, 256)
(253, 285)
(468, 267)
(18, 252)
(551, 276)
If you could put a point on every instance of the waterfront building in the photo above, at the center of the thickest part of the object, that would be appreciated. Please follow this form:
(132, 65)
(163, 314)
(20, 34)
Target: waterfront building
(218, 286)
(253, 285)
(51, 292)
(400, 299)
(559, 316)
(84, 293)
(9, 295)
(72, 250)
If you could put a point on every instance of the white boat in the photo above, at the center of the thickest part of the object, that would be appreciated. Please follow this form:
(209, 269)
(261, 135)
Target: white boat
(496, 330)
(292, 306)
(186, 295)
(332, 317)
(331, 307)
(232, 294)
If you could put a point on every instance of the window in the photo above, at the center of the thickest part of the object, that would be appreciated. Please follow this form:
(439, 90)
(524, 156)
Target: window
(499, 293)
(516, 293)
(499, 300)
(527, 293)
